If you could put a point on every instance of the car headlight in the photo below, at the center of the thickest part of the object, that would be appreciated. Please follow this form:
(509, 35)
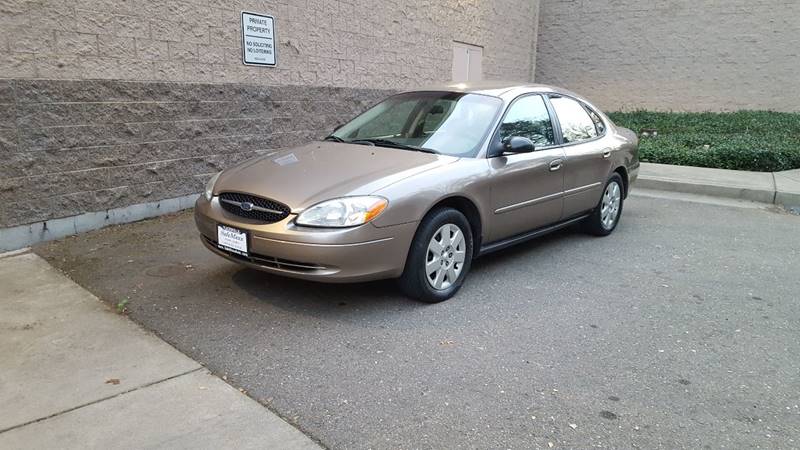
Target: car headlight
(209, 192)
(343, 212)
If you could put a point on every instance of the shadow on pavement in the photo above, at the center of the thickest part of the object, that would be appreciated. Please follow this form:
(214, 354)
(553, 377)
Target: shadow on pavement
(301, 295)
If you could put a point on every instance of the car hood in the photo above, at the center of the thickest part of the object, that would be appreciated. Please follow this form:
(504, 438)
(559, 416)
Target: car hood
(303, 176)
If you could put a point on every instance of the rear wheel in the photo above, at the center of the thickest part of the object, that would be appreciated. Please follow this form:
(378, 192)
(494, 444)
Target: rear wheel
(606, 215)
(439, 258)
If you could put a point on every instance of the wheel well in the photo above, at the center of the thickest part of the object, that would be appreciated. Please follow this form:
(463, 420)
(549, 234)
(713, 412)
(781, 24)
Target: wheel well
(623, 172)
(470, 211)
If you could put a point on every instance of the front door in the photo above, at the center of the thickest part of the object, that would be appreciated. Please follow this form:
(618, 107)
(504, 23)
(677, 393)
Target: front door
(527, 188)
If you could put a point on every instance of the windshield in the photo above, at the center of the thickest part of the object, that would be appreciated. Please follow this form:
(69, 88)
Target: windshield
(448, 123)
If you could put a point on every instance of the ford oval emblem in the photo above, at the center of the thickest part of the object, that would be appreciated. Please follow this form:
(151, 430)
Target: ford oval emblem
(246, 206)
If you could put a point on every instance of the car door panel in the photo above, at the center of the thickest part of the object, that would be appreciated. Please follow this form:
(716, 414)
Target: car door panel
(527, 188)
(526, 193)
(587, 154)
(585, 171)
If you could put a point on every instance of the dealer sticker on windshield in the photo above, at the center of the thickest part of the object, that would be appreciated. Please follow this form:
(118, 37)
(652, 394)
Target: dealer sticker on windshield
(232, 240)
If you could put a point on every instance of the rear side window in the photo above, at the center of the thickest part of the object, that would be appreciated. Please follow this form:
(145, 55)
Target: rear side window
(528, 117)
(576, 125)
(598, 122)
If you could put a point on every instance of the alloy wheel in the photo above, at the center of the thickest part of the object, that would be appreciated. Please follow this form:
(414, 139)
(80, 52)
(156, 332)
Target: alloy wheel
(444, 259)
(609, 209)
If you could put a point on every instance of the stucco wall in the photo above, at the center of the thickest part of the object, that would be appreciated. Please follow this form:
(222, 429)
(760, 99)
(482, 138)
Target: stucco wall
(354, 43)
(683, 55)
(108, 103)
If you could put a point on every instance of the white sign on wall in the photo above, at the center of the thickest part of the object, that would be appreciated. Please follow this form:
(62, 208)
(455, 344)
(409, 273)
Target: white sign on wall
(258, 40)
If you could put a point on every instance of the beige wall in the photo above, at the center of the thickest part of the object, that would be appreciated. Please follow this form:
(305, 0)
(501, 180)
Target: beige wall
(111, 103)
(674, 54)
(358, 43)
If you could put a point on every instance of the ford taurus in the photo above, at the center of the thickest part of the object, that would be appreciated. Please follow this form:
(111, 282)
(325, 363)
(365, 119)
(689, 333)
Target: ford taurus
(422, 183)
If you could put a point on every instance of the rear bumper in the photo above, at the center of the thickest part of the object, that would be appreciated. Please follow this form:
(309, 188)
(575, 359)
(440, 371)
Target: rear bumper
(330, 255)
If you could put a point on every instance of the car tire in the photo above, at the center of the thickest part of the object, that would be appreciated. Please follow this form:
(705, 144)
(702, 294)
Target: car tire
(606, 215)
(438, 257)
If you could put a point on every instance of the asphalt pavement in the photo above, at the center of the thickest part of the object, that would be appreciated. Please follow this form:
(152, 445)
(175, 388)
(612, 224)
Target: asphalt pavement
(680, 330)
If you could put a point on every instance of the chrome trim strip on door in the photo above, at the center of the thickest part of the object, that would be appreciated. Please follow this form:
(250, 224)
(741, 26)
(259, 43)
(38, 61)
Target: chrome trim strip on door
(508, 208)
(578, 190)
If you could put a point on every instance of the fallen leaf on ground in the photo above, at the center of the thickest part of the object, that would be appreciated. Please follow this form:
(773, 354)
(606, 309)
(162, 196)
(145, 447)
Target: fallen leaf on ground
(112, 381)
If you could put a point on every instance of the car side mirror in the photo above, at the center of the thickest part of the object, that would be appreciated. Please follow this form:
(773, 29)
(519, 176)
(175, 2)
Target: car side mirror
(517, 144)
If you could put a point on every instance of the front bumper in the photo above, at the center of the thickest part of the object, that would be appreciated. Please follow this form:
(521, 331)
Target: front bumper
(344, 255)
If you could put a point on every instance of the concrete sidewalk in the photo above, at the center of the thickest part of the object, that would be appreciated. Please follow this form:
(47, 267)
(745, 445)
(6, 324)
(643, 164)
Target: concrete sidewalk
(780, 188)
(74, 374)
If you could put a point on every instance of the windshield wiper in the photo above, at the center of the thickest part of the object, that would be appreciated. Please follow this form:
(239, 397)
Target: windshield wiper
(334, 138)
(393, 144)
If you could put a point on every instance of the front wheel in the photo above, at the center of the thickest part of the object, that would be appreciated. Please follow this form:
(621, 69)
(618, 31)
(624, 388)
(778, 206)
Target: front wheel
(439, 258)
(605, 217)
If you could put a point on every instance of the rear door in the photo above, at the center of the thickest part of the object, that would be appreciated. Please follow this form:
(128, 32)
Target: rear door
(587, 154)
(526, 187)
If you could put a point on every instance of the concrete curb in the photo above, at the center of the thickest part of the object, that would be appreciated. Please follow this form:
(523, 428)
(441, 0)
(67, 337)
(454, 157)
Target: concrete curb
(787, 188)
(22, 236)
(779, 188)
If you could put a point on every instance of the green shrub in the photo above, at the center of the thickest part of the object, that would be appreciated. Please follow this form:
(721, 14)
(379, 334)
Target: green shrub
(763, 141)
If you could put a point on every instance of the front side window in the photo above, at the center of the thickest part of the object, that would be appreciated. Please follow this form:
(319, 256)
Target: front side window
(448, 123)
(528, 117)
(576, 125)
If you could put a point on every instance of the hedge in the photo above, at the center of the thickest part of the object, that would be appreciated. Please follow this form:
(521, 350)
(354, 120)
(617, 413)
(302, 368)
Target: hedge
(763, 141)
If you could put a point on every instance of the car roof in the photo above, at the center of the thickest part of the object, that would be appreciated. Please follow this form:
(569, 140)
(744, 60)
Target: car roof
(506, 90)
(494, 88)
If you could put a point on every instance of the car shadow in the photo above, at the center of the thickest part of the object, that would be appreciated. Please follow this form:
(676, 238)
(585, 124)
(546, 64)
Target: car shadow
(525, 250)
(323, 299)
(372, 298)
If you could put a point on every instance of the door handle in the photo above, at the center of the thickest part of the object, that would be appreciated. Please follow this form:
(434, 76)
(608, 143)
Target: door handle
(555, 164)
(606, 153)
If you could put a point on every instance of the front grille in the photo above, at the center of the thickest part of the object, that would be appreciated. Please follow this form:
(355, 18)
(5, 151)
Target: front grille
(270, 261)
(255, 208)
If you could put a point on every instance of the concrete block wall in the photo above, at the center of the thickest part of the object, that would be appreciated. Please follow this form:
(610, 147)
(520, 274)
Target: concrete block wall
(353, 43)
(69, 147)
(683, 55)
(110, 103)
